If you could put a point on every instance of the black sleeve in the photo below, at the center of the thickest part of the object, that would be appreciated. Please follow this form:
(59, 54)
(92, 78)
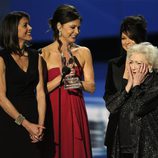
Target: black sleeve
(114, 99)
(148, 107)
(148, 102)
(109, 85)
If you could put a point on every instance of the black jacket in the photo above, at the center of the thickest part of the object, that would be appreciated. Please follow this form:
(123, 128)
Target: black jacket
(113, 85)
(144, 101)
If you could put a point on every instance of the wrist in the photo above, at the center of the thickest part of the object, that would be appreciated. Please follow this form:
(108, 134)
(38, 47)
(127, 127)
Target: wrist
(25, 123)
(128, 87)
(19, 120)
(136, 84)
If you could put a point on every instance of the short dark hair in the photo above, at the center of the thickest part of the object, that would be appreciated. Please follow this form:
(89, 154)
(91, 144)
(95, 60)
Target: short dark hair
(9, 30)
(135, 27)
(63, 14)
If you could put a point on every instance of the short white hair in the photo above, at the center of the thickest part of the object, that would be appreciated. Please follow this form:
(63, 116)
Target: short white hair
(148, 50)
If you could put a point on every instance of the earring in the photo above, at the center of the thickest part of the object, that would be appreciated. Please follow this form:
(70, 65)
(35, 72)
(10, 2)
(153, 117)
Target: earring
(150, 70)
(59, 33)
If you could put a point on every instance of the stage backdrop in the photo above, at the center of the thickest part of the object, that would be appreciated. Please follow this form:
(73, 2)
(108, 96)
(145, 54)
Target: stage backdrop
(101, 19)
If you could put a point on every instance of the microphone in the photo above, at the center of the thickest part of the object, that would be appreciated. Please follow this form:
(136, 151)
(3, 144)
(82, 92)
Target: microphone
(65, 71)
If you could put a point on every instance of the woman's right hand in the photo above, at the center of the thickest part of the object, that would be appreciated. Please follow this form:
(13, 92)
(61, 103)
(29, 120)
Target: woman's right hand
(72, 72)
(35, 130)
(130, 78)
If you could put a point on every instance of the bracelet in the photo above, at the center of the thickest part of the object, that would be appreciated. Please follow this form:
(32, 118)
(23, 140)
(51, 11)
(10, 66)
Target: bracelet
(19, 119)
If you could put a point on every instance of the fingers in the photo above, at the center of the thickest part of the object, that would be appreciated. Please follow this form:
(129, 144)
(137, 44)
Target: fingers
(143, 68)
(72, 72)
(35, 138)
(129, 71)
(40, 126)
(36, 132)
(140, 75)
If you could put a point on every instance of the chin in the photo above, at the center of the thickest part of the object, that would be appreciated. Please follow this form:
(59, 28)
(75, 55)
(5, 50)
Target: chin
(72, 40)
(29, 39)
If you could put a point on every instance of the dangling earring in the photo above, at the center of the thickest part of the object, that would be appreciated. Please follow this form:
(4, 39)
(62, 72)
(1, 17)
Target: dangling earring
(60, 34)
(150, 70)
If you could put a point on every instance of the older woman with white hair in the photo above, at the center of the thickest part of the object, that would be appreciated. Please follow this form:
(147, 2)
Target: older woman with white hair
(138, 105)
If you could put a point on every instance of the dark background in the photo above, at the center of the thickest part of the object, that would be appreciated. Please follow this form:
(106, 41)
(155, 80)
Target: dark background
(100, 33)
(100, 26)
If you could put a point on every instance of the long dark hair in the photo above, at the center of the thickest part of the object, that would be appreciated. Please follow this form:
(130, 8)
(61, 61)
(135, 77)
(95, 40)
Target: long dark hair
(9, 31)
(135, 27)
(63, 14)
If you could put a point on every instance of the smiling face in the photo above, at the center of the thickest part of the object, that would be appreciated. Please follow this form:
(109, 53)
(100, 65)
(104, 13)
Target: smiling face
(69, 31)
(126, 41)
(24, 31)
(136, 60)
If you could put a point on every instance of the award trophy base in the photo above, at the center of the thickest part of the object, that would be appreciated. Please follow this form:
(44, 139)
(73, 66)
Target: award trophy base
(72, 83)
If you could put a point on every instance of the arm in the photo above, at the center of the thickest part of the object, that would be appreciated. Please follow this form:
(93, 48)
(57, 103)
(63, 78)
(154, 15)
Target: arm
(41, 101)
(114, 98)
(148, 107)
(5, 103)
(117, 99)
(51, 85)
(88, 84)
(147, 102)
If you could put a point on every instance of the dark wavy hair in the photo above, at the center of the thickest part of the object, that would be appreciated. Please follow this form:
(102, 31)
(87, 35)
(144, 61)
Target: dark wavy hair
(9, 31)
(135, 27)
(63, 14)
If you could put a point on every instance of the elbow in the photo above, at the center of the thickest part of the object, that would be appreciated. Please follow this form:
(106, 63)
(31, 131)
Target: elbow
(2, 100)
(41, 95)
(92, 88)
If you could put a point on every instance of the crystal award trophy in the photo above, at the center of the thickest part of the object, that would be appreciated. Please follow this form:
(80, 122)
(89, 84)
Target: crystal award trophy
(71, 81)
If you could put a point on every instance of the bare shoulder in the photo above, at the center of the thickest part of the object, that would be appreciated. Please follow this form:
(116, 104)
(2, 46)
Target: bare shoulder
(1, 60)
(46, 51)
(2, 63)
(83, 54)
(82, 50)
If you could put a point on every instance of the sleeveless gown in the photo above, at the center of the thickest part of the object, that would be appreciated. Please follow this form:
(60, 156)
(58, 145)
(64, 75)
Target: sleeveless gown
(75, 137)
(20, 90)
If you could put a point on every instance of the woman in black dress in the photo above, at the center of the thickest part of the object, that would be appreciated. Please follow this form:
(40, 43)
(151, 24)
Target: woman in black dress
(22, 97)
(132, 31)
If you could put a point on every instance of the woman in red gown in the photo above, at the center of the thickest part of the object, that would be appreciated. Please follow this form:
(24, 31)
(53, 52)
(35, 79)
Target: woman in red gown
(74, 135)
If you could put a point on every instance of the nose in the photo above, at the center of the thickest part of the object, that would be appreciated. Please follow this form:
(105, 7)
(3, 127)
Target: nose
(127, 41)
(29, 26)
(77, 30)
(133, 66)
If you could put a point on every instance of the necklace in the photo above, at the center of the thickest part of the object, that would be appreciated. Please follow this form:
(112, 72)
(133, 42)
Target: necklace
(23, 52)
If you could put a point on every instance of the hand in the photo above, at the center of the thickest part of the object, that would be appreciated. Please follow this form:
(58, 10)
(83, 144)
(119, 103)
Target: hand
(72, 73)
(140, 75)
(130, 78)
(35, 139)
(35, 130)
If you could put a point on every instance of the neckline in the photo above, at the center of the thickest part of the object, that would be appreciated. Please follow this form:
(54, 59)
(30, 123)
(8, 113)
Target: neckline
(19, 66)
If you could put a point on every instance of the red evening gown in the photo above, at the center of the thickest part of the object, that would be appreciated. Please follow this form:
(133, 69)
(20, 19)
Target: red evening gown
(75, 137)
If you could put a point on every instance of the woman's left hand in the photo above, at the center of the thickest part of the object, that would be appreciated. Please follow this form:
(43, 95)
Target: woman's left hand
(37, 138)
(140, 75)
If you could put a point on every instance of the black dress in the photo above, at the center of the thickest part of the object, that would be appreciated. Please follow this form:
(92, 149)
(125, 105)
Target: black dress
(20, 90)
